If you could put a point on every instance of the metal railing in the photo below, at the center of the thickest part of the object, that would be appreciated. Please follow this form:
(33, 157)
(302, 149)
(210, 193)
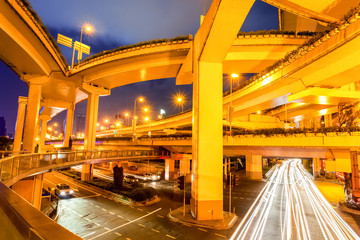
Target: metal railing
(22, 221)
(16, 167)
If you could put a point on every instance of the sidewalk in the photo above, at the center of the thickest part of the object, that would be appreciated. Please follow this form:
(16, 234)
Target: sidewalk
(334, 193)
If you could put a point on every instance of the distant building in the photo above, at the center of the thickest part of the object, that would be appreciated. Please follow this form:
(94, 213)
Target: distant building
(2, 127)
(80, 125)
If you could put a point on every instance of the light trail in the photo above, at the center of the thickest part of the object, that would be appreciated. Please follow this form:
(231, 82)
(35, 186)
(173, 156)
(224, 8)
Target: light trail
(292, 186)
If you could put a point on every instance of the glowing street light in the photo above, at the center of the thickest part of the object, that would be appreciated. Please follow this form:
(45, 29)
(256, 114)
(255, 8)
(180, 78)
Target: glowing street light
(88, 28)
(118, 124)
(55, 124)
(179, 99)
(141, 99)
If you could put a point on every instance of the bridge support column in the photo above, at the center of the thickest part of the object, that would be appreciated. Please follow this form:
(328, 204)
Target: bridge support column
(37, 191)
(44, 120)
(169, 169)
(87, 172)
(69, 125)
(19, 124)
(31, 119)
(207, 143)
(112, 165)
(254, 167)
(90, 132)
(355, 173)
(185, 165)
(328, 120)
(316, 167)
(124, 164)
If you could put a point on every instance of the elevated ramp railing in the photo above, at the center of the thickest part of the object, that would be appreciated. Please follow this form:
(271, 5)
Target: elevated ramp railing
(18, 218)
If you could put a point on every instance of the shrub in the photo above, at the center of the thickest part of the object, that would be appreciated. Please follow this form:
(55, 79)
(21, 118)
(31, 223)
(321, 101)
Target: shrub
(138, 195)
(150, 192)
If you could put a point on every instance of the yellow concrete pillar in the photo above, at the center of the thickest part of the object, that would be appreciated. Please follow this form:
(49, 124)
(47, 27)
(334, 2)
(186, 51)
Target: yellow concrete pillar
(90, 131)
(19, 124)
(31, 119)
(69, 125)
(207, 143)
(91, 120)
(328, 120)
(124, 164)
(254, 167)
(184, 165)
(316, 167)
(308, 123)
(87, 172)
(37, 191)
(44, 119)
(169, 169)
(112, 165)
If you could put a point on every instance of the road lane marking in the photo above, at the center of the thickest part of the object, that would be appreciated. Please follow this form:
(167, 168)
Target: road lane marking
(188, 225)
(170, 236)
(104, 209)
(97, 206)
(119, 234)
(155, 230)
(120, 216)
(220, 235)
(201, 229)
(142, 225)
(72, 183)
(112, 213)
(140, 209)
(97, 224)
(160, 216)
(107, 228)
(88, 235)
(91, 196)
(126, 224)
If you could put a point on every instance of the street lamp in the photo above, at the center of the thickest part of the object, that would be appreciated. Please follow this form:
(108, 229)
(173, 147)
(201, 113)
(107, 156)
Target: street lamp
(88, 28)
(127, 117)
(179, 99)
(147, 119)
(233, 76)
(141, 99)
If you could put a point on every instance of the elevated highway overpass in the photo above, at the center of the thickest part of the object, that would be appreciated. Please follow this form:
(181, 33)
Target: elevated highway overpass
(313, 79)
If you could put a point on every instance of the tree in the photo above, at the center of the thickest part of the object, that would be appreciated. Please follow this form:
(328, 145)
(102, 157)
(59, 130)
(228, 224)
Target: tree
(348, 113)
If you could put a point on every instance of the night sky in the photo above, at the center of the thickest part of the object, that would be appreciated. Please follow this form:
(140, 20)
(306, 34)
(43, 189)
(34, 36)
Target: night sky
(118, 23)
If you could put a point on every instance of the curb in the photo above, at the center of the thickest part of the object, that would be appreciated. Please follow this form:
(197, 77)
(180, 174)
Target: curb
(192, 223)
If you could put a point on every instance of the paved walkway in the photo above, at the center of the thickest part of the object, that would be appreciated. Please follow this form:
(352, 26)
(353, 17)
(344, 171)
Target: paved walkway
(334, 192)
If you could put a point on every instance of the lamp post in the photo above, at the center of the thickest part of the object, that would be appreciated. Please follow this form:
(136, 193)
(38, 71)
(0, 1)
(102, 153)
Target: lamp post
(180, 101)
(127, 118)
(88, 29)
(147, 119)
(234, 75)
(134, 118)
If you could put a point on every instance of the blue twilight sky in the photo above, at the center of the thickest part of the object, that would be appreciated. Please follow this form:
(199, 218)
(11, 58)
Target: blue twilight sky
(118, 23)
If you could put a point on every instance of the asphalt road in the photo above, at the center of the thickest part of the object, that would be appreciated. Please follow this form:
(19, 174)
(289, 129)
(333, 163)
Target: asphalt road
(291, 207)
(93, 216)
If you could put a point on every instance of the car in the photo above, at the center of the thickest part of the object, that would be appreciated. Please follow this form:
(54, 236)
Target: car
(63, 190)
(133, 168)
(130, 179)
(152, 177)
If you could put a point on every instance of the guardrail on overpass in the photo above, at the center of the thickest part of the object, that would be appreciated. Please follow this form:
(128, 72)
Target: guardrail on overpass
(18, 218)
